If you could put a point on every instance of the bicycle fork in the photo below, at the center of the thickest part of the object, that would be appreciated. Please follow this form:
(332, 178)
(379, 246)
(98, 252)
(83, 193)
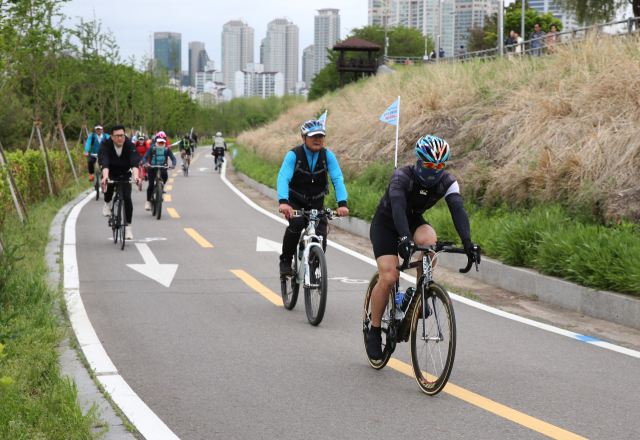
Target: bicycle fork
(426, 312)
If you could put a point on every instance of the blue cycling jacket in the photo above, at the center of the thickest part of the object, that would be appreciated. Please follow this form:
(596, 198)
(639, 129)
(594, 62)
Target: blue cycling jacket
(288, 167)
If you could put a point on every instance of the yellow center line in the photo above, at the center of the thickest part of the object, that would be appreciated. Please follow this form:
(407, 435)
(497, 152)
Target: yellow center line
(196, 158)
(168, 187)
(174, 175)
(199, 238)
(258, 287)
(172, 212)
(171, 180)
(493, 407)
(167, 197)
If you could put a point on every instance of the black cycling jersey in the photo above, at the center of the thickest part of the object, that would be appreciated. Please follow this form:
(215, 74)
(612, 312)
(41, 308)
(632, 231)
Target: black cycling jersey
(406, 199)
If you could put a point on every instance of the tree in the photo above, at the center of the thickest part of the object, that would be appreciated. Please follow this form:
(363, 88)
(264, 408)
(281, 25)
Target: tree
(478, 39)
(513, 20)
(597, 11)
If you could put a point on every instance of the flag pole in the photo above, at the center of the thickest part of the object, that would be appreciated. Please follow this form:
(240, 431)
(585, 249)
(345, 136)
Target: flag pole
(397, 127)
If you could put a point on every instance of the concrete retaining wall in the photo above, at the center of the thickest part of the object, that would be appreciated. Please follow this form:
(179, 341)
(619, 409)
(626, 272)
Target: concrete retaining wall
(610, 306)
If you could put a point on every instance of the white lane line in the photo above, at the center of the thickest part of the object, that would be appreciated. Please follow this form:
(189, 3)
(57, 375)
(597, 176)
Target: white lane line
(477, 305)
(145, 420)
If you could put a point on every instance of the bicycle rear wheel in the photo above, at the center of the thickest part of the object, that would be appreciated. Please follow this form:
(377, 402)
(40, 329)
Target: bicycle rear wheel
(96, 185)
(433, 340)
(289, 287)
(388, 345)
(315, 298)
(158, 208)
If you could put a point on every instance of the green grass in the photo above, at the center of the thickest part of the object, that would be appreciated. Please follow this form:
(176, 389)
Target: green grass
(39, 404)
(549, 238)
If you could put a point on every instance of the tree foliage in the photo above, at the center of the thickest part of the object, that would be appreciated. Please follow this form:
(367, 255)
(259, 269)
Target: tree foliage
(405, 42)
(598, 11)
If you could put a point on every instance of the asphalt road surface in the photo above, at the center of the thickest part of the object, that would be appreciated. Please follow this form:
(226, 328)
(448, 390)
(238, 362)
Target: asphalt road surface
(213, 358)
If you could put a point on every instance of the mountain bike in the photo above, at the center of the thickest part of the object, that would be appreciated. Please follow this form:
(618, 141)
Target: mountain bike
(97, 179)
(157, 196)
(424, 316)
(309, 267)
(116, 221)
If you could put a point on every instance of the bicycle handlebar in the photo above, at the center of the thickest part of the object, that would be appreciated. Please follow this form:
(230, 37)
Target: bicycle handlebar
(442, 246)
(331, 214)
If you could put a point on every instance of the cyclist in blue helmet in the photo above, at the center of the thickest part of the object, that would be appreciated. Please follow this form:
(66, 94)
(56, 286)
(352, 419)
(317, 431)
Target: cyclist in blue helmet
(398, 223)
(303, 181)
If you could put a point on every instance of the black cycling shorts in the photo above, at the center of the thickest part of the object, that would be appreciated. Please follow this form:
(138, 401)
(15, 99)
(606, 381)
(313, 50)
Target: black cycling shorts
(384, 235)
(187, 151)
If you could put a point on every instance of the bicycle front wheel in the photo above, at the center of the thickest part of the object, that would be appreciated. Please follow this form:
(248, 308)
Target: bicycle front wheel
(123, 223)
(388, 345)
(290, 288)
(433, 339)
(158, 200)
(315, 296)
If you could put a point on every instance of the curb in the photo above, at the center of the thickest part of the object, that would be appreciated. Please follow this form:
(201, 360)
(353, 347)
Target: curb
(610, 306)
(70, 365)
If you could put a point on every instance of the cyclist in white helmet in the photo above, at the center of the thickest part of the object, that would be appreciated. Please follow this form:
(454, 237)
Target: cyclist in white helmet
(219, 147)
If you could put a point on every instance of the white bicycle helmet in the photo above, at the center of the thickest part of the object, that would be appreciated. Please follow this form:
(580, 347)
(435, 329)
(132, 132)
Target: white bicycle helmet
(218, 134)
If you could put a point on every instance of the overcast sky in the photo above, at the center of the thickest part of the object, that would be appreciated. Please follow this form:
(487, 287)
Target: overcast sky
(133, 21)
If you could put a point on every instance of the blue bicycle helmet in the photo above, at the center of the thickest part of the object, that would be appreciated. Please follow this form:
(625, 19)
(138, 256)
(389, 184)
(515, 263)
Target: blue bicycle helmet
(312, 128)
(432, 149)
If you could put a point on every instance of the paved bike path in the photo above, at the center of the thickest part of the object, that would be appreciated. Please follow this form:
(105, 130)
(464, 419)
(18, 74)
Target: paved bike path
(212, 357)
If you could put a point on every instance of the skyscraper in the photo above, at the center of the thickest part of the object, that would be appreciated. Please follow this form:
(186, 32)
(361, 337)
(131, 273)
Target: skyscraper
(326, 33)
(263, 46)
(167, 51)
(281, 50)
(197, 60)
(237, 50)
(307, 65)
(375, 13)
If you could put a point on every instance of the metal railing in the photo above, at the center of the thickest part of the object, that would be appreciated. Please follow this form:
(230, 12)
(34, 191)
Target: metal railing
(547, 44)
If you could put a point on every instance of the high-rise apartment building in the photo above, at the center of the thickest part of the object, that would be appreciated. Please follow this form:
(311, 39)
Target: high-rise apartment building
(468, 15)
(326, 33)
(544, 6)
(281, 50)
(254, 81)
(197, 60)
(376, 11)
(307, 65)
(237, 49)
(167, 51)
(263, 47)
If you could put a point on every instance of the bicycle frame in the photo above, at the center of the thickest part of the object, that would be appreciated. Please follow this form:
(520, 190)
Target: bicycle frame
(302, 277)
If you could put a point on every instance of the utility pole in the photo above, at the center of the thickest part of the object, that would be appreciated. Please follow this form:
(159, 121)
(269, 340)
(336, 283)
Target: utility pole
(501, 28)
(439, 36)
(522, 25)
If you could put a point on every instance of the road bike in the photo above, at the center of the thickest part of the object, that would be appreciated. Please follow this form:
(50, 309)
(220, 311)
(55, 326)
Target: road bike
(424, 316)
(157, 196)
(309, 268)
(117, 222)
(97, 179)
(142, 174)
(185, 167)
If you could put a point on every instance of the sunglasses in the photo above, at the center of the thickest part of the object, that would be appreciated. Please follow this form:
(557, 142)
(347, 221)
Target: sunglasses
(437, 166)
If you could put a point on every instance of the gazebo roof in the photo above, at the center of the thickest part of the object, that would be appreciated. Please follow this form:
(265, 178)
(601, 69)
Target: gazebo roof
(357, 44)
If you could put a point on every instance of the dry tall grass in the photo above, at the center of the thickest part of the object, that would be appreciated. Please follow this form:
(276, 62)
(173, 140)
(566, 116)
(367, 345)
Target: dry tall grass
(564, 128)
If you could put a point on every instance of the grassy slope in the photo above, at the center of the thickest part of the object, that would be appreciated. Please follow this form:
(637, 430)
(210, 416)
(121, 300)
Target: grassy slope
(523, 131)
(39, 404)
(549, 238)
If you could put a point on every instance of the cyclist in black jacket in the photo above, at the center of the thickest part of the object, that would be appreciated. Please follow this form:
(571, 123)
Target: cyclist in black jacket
(118, 157)
(398, 223)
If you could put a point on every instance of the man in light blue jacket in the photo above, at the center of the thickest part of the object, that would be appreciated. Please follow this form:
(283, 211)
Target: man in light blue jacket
(303, 181)
(92, 146)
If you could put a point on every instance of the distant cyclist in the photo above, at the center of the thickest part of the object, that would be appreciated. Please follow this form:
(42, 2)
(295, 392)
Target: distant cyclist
(118, 157)
(218, 149)
(303, 181)
(157, 155)
(398, 223)
(142, 145)
(91, 147)
(185, 149)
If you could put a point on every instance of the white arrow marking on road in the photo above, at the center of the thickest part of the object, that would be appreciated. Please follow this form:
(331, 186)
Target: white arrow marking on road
(202, 169)
(162, 273)
(349, 280)
(265, 245)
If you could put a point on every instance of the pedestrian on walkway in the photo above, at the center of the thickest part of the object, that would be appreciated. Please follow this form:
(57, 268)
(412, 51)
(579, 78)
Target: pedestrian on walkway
(552, 39)
(537, 45)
